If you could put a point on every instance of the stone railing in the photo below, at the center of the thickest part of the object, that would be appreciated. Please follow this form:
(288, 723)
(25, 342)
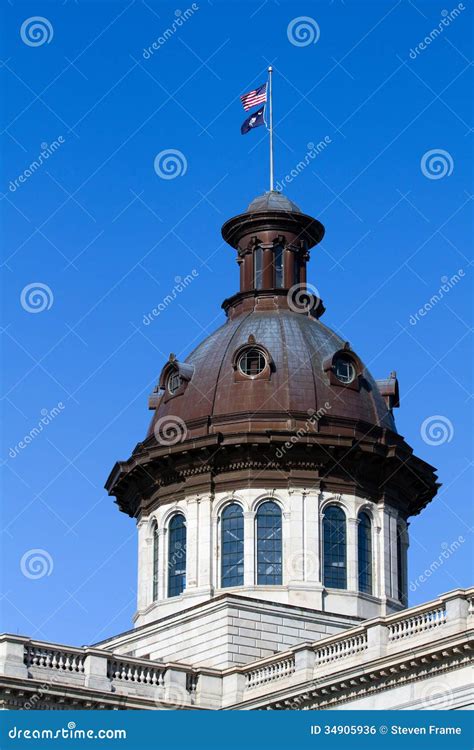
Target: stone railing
(63, 660)
(53, 666)
(341, 648)
(135, 672)
(101, 675)
(406, 627)
(384, 636)
(275, 670)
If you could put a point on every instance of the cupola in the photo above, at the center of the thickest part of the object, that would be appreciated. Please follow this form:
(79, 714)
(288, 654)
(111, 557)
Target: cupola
(273, 239)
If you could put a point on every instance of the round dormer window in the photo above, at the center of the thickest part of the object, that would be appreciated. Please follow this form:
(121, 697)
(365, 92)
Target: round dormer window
(252, 362)
(344, 369)
(174, 383)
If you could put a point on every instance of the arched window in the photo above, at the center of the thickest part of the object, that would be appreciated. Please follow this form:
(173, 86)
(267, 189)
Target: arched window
(258, 268)
(335, 548)
(269, 547)
(296, 269)
(364, 552)
(177, 555)
(232, 546)
(278, 263)
(155, 561)
(401, 566)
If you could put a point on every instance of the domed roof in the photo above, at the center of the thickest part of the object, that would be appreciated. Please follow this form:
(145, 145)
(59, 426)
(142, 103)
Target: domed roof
(272, 201)
(214, 400)
(272, 376)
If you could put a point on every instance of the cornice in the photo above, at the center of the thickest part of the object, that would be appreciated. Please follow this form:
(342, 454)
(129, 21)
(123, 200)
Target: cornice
(377, 464)
(375, 677)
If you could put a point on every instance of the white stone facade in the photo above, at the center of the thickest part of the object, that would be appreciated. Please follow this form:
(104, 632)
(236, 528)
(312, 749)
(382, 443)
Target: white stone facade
(302, 576)
(227, 630)
(420, 658)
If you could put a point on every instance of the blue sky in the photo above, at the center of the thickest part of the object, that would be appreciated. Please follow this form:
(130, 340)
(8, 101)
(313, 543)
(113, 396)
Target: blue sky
(108, 236)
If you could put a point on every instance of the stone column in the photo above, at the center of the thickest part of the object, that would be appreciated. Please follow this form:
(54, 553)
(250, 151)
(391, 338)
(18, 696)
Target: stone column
(388, 554)
(405, 541)
(205, 550)
(216, 550)
(377, 561)
(294, 562)
(250, 578)
(192, 543)
(288, 546)
(163, 564)
(321, 540)
(144, 583)
(394, 556)
(352, 556)
(311, 534)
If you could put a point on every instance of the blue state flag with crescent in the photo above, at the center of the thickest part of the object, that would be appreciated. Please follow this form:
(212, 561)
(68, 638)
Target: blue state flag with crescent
(254, 121)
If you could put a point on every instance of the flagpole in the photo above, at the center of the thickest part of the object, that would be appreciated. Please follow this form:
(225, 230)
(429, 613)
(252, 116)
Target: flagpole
(270, 71)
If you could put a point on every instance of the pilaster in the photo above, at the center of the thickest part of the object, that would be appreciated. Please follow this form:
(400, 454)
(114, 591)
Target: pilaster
(205, 547)
(192, 542)
(352, 554)
(249, 548)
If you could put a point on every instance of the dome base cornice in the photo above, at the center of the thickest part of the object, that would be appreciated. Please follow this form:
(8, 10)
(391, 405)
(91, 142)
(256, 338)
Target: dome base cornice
(371, 462)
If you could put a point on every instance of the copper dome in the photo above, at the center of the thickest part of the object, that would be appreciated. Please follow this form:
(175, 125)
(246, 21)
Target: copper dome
(294, 420)
(298, 385)
(272, 201)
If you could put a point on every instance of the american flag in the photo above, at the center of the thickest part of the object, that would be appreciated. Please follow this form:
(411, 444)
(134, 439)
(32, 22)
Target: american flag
(257, 96)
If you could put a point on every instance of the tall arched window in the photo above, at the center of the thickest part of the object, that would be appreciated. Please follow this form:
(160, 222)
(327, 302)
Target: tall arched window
(177, 555)
(232, 546)
(335, 548)
(401, 566)
(278, 263)
(258, 268)
(155, 561)
(364, 552)
(269, 544)
(296, 269)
